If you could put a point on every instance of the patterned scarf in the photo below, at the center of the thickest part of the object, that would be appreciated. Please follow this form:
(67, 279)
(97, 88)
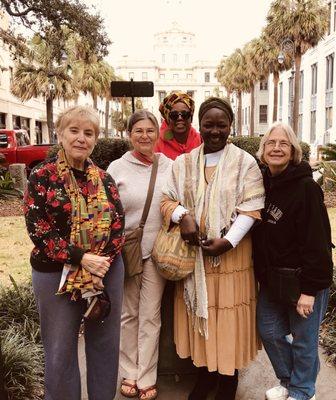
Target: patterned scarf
(90, 224)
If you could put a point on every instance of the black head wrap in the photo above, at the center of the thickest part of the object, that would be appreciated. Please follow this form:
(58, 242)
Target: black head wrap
(216, 102)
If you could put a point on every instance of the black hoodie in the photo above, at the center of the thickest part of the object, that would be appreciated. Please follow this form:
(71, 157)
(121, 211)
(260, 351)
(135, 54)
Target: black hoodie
(295, 229)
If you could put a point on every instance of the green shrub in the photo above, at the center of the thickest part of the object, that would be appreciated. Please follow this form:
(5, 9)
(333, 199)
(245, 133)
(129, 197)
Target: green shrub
(328, 152)
(105, 151)
(251, 145)
(18, 310)
(22, 366)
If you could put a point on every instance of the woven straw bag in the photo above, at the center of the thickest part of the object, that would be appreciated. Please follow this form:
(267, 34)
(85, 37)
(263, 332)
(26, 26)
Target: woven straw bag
(174, 258)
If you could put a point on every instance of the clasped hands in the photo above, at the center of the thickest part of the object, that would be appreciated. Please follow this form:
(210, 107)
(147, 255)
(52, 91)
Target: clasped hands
(97, 266)
(190, 234)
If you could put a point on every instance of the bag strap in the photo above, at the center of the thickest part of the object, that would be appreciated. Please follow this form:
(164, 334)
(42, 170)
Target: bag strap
(150, 192)
(188, 194)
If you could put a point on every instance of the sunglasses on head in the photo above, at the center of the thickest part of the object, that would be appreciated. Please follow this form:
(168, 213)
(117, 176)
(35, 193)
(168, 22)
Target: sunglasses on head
(174, 115)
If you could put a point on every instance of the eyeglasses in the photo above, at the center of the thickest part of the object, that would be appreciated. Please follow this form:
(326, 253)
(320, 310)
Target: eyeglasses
(175, 115)
(282, 144)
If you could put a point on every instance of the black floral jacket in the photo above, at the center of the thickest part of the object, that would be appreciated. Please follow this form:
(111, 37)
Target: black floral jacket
(47, 209)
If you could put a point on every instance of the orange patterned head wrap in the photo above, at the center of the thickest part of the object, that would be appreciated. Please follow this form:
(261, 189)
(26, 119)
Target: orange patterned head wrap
(173, 98)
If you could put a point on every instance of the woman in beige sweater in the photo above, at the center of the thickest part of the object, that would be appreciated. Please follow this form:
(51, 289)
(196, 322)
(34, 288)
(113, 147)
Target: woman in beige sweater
(141, 320)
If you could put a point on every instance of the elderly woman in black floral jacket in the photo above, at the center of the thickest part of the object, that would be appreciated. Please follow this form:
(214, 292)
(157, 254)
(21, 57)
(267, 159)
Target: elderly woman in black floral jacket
(75, 219)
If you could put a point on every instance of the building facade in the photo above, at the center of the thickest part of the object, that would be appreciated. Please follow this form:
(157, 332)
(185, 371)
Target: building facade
(317, 102)
(175, 66)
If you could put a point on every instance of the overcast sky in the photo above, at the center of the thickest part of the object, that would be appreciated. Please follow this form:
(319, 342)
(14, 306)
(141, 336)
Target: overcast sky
(220, 25)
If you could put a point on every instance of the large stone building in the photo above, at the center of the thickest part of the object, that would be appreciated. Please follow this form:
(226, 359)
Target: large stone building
(175, 66)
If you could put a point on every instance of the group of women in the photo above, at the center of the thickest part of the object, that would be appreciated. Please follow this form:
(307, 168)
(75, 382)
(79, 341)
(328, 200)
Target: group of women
(245, 222)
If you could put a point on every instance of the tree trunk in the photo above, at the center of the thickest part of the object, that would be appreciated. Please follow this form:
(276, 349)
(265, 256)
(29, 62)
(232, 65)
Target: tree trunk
(95, 101)
(107, 111)
(295, 114)
(252, 110)
(50, 118)
(239, 116)
(275, 95)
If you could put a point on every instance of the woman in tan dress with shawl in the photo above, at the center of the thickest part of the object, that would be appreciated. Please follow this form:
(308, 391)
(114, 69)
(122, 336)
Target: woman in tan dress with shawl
(214, 310)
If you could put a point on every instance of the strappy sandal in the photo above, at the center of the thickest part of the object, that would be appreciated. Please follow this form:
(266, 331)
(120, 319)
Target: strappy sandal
(143, 393)
(129, 394)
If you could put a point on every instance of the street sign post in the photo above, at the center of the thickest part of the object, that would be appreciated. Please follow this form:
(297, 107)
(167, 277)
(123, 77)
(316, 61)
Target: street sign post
(132, 89)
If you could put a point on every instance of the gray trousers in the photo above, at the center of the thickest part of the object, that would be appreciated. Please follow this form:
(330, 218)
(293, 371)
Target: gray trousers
(60, 321)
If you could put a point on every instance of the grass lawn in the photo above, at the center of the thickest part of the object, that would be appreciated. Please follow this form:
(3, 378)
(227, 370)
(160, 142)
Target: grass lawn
(15, 247)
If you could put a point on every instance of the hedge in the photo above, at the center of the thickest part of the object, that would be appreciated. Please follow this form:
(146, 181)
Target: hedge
(105, 151)
(108, 150)
(251, 145)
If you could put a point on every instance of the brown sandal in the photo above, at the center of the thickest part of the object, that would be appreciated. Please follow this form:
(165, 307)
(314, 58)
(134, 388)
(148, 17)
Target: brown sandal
(143, 392)
(129, 394)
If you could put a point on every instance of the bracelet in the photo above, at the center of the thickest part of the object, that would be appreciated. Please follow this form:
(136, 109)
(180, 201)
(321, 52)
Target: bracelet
(186, 212)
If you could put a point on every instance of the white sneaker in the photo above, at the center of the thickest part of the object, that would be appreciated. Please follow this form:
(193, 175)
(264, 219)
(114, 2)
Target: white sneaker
(277, 393)
(292, 398)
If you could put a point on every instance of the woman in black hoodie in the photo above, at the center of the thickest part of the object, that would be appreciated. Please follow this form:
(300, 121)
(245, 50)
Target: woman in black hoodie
(293, 264)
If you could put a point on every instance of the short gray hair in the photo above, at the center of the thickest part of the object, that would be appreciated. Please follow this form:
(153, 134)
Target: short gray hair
(67, 115)
(293, 140)
(140, 115)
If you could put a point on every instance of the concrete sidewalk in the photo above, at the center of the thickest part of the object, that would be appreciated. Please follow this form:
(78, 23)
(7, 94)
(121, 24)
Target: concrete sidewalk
(253, 382)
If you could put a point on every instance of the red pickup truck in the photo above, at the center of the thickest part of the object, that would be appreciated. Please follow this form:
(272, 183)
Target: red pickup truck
(16, 147)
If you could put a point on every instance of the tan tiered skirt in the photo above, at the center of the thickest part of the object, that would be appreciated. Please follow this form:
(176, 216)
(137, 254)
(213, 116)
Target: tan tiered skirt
(233, 341)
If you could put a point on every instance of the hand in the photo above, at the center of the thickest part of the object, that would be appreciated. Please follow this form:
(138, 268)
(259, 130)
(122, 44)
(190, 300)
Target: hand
(97, 265)
(97, 282)
(305, 305)
(215, 247)
(189, 230)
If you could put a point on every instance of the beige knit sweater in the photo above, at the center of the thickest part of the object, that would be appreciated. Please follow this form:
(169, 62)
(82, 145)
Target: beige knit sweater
(132, 178)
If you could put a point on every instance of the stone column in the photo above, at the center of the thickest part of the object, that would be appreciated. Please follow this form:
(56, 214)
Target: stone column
(32, 131)
(9, 121)
(18, 174)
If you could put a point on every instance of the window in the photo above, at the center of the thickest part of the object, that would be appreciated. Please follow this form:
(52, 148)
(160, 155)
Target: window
(329, 112)
(131, 75)
(190, 93)
(301, 91)
(314, 79)
(174, 58)
(145, 76)
(206, 94)
(330, 71)
(189, 76)
(11, 74)
(162, 95)
(186, 58)
(165, 40)
(163, 58)
(206, 76)
(280, 94)
(263, 114)
(184, 39)
(175, 77)
(312, 126)
(162, 76)
(264, 85)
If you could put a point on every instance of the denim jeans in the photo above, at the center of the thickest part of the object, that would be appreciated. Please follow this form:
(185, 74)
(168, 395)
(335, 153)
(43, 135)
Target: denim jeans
(295, 361)
(60, 320)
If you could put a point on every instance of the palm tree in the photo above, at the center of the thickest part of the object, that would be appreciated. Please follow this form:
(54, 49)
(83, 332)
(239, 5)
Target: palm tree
(230, 73)
(304, 22)
(40, 74)
(94, 76)
(266, 54)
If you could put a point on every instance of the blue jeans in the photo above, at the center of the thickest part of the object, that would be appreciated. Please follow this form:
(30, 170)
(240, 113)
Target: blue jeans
(60, 320)
(295, 361)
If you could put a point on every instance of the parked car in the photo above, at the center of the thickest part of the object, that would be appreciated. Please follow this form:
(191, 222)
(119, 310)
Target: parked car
(15, 146)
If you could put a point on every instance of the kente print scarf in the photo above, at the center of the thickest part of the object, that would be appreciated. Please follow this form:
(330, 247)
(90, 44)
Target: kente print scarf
(90, 224)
